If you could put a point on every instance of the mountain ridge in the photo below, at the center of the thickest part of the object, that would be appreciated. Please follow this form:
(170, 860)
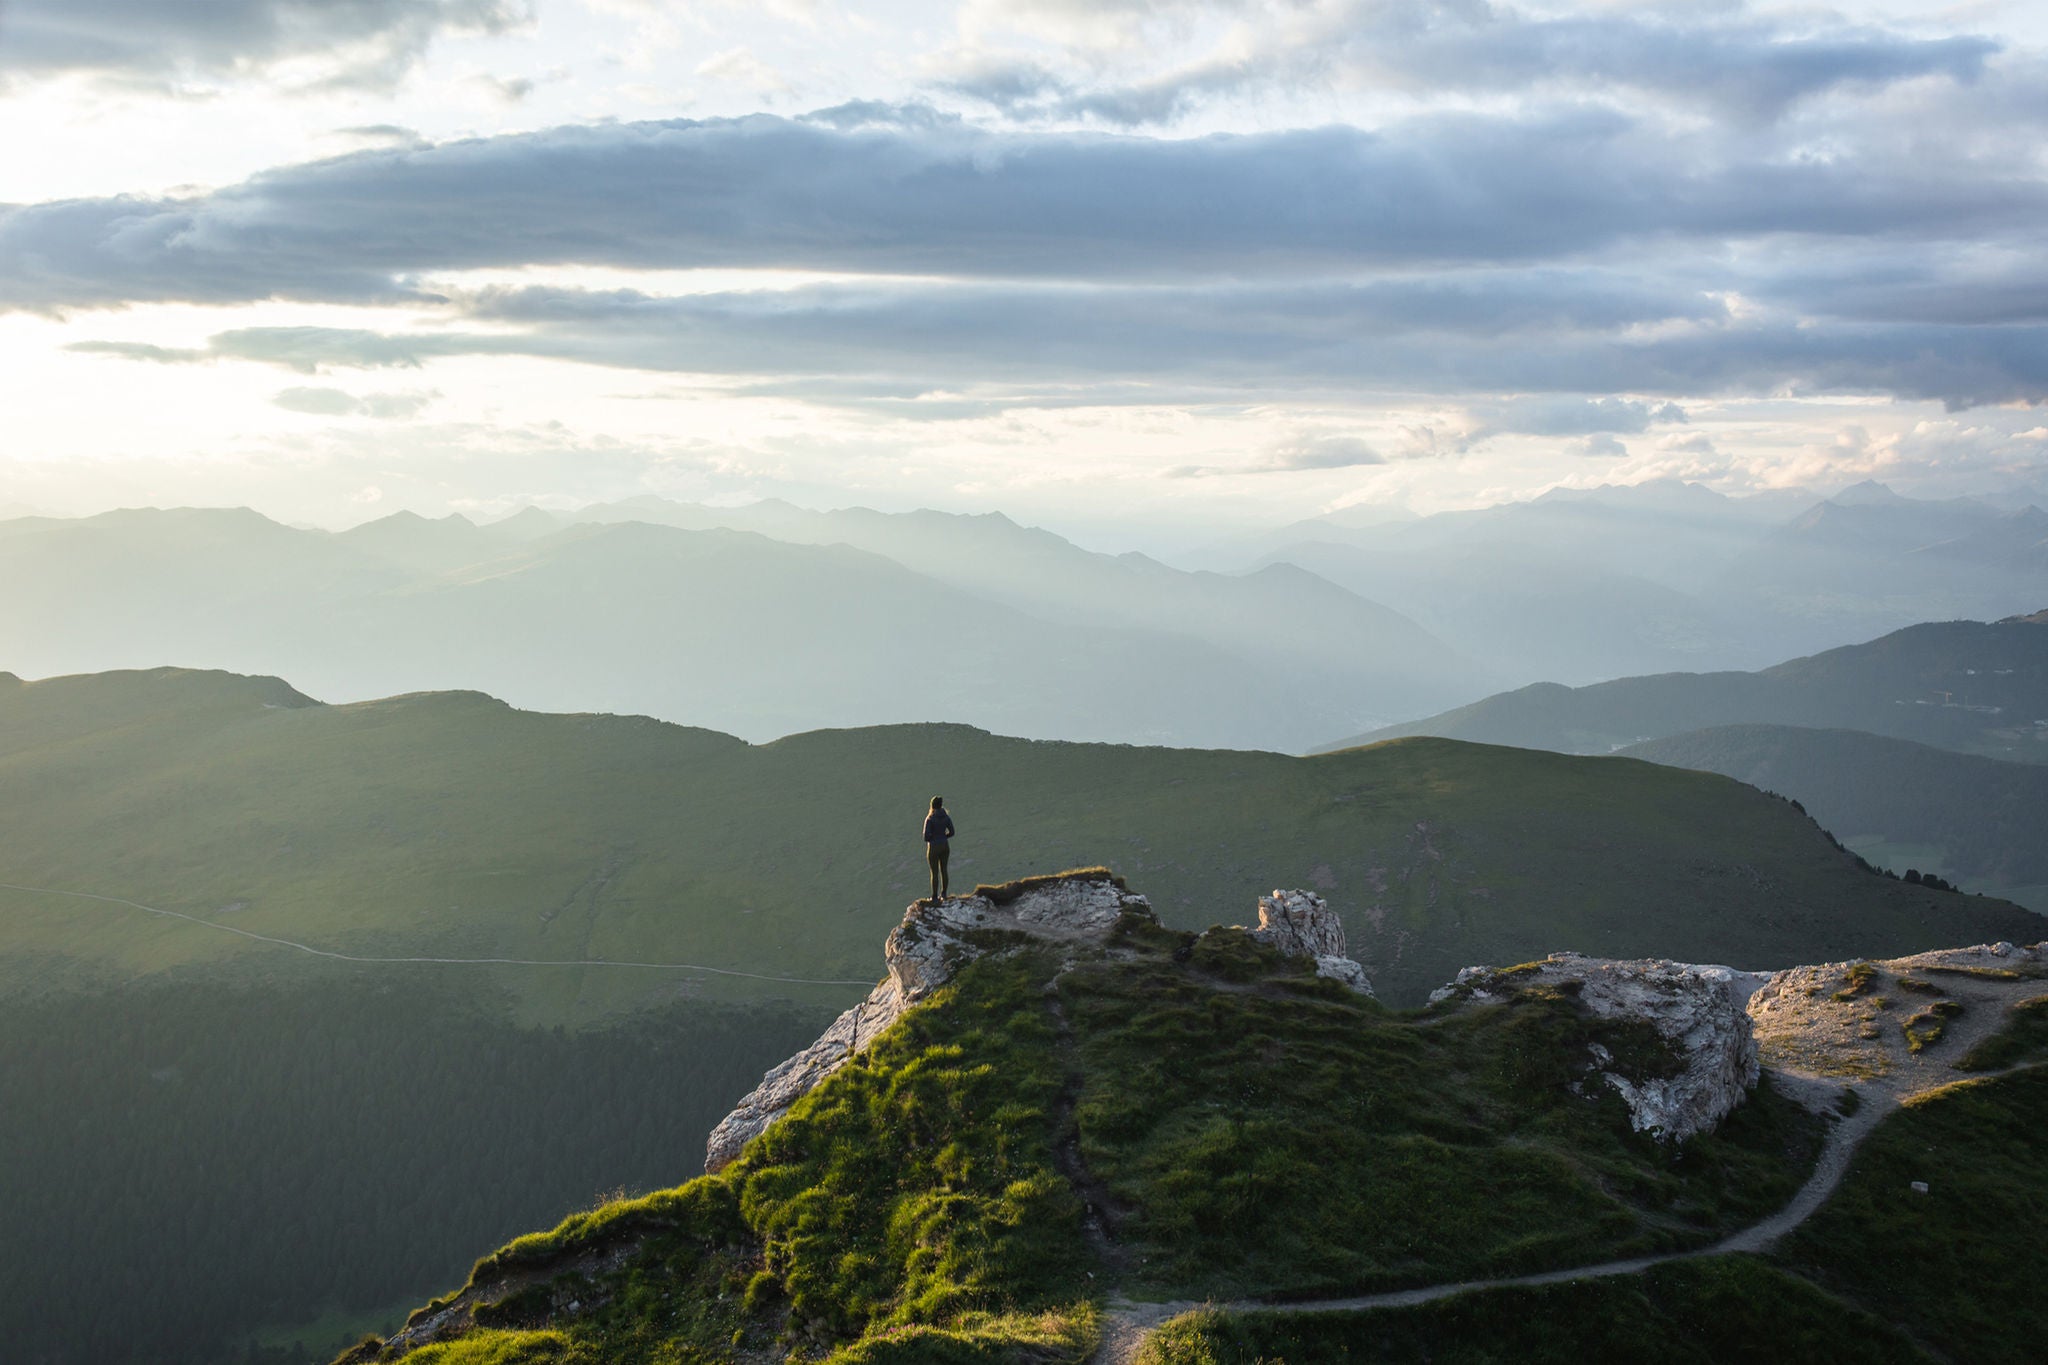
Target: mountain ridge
(456, 826)
(1971, 686)
(711, 626)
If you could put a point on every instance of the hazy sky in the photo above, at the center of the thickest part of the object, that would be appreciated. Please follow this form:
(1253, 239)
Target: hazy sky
(1085, 261)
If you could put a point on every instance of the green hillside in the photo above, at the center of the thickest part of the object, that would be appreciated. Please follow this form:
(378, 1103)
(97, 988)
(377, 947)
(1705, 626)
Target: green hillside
(451, 826)
(1975, 821)
(1960, 685)
(1076, 1133)
(1225, 1122)
(1883, 1273)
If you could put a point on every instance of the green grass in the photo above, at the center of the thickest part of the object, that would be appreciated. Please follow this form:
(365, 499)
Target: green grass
(1325, 1146)
(1960, 1265)
(1862, 979)
(2023, 1039)
(1706, 1312)
(508, 1348)
(1925, 1028)
(909, 1209)
(1237, 1125)
(1883, 1272)
(451, 825)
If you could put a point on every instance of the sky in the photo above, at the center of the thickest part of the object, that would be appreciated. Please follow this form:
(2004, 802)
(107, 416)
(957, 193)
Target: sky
(1126, 268)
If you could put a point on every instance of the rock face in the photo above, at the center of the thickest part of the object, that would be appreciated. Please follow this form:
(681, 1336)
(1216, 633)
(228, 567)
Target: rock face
(789, 1082)
(1301, 924)
(935, 939)
(1700, 1011)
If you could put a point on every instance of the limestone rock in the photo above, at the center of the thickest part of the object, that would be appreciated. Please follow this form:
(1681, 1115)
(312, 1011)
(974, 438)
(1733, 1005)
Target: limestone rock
(1344, 971)
(1699, 1010)
(923, 952)
(787, 1083)
(1302, 924)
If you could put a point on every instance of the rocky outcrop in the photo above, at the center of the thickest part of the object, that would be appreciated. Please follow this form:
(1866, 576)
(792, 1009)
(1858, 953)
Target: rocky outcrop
(1699, 1011)
(1879, 1021)
(934, 940)
(1302, 924)
(793, 1079)
(937, 938)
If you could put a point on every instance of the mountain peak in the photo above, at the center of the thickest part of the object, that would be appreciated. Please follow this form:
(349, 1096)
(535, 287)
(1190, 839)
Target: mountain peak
(1869, 493)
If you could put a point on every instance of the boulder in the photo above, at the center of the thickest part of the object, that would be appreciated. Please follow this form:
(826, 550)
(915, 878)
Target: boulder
(1302, 924)
(1699, 1010)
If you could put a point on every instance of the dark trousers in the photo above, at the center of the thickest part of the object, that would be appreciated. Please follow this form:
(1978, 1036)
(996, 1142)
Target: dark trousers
(935, 854)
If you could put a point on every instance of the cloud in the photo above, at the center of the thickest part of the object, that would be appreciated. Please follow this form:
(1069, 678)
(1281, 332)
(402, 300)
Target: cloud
(1305, 451)
(952, 200)
(1321, 452)
(369, 42)
(1570, 416)
(1543, 338)
(505, 89)
(1599, 445)
(138, 350)
(319, 402)
(739, 66)
(1739, 65)
(384, 134)
(309, 350)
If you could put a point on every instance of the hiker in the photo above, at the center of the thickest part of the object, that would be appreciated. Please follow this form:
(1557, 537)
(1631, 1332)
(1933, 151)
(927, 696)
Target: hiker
(938, 828)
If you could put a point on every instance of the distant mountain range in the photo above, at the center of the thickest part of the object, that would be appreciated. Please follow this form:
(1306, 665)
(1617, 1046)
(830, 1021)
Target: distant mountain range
(1965, 686)
(847, 618)
(771, 619)
(1583, 585)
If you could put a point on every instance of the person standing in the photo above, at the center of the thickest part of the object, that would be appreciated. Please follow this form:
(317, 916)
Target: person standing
(938, 831)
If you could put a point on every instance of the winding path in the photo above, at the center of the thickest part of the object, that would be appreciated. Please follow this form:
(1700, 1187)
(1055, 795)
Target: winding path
(447, 961)
(1127, 1325)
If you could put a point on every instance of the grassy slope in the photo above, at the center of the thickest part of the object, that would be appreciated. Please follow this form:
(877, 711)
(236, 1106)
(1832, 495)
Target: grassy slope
(449, 824)
(1324, 1143)
(1881, 1273)
(1960, 1266)
(1886, 686)
(1707, 1312)
(1980, 818)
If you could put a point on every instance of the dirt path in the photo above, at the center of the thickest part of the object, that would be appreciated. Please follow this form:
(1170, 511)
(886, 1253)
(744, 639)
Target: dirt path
(447, 961)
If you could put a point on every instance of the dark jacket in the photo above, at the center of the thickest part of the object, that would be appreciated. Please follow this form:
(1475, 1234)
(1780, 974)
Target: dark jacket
(938, 827)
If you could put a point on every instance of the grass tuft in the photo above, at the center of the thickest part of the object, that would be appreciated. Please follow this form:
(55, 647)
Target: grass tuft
(1924, 1030)
(1862, 979)
(2023, 1039)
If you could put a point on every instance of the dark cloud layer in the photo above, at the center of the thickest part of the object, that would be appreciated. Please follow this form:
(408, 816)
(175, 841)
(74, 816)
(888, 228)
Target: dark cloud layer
(376, 40)
(1229, 343)
(955, 201)
(1801, 239)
